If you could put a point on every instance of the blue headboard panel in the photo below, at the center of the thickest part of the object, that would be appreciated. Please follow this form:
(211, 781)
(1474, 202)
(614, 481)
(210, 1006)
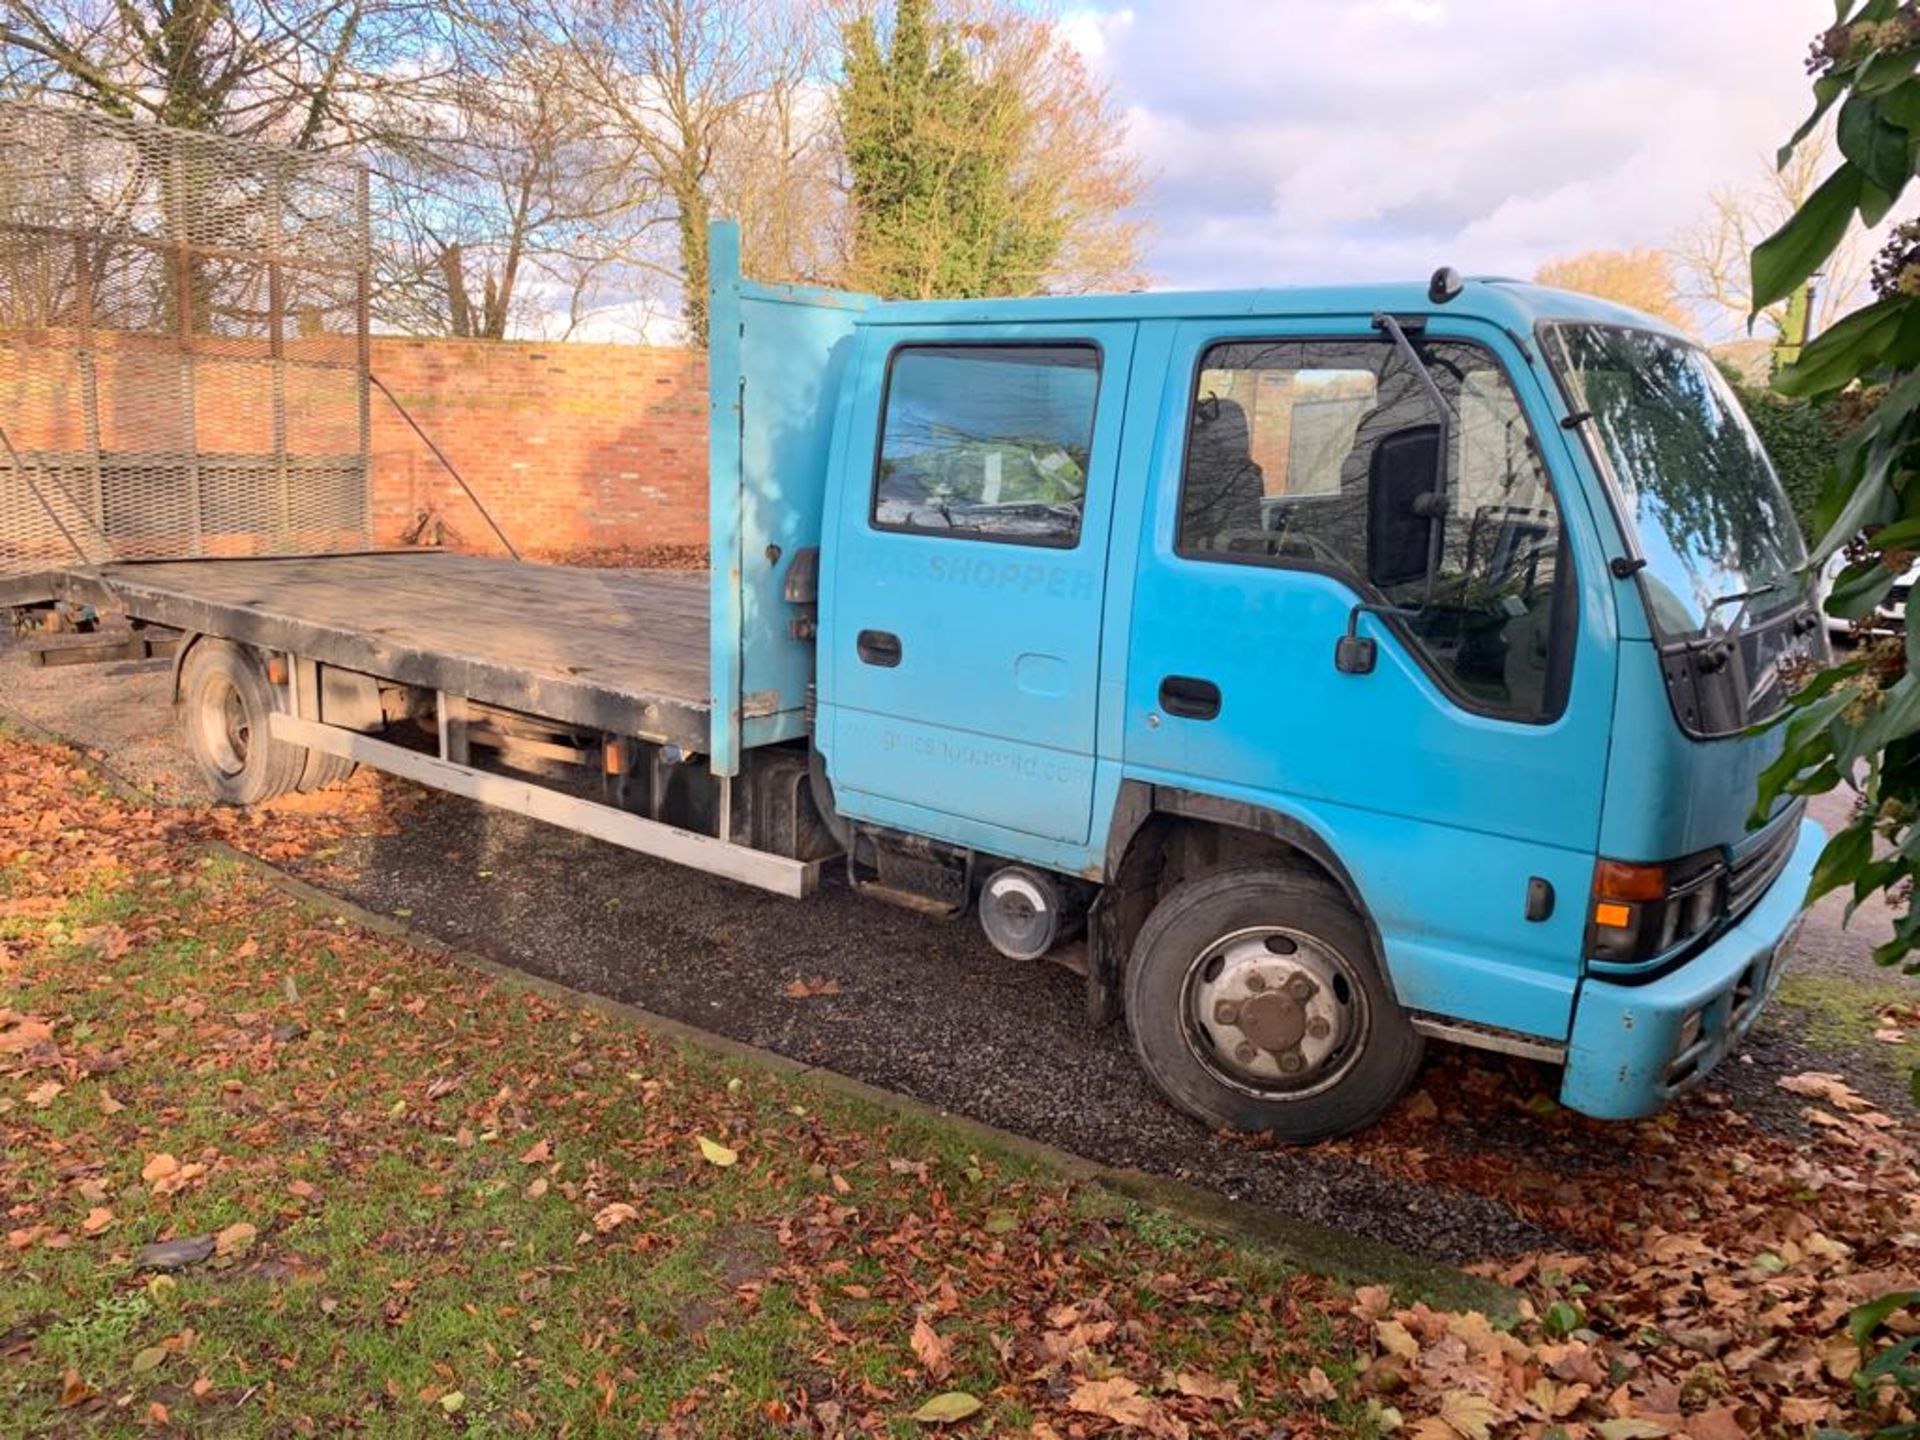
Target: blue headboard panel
(776, 357)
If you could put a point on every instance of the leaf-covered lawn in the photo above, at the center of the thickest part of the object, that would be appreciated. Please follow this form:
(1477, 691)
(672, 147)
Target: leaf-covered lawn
(430, 1202)
(438, 1204)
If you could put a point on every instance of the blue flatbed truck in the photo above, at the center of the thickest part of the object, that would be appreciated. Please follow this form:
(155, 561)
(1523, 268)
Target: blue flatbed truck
(1318, 671)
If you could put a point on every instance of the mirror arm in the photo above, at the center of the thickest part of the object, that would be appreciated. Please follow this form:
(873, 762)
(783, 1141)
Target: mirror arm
(1394, 331)
(1354, 653)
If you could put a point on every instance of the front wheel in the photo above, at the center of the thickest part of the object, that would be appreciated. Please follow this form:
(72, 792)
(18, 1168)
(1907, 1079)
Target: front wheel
(1256, 1003)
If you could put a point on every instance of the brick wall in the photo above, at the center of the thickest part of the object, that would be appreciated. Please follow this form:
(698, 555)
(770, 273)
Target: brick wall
(572, 447)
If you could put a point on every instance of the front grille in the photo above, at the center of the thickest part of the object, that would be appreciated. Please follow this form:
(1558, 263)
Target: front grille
(1760, 863)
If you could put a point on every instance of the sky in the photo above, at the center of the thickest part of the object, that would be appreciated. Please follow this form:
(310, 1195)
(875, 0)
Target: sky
(1303, 141)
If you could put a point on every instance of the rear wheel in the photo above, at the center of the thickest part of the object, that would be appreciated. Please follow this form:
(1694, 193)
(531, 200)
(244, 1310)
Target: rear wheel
(1256, 1003)
(321, 770)
(225, 705)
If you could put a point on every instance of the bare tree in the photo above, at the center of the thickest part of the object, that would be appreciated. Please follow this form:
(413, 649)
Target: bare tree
(1712, 257)
(678, 81)
(506, 207)
(293, 72)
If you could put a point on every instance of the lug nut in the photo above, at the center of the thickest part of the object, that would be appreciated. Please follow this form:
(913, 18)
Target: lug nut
(1301, 988)
(1319, 1027)
(1245, 1053)
(1226, 1012)
(1256, 982)
(1291, 1062)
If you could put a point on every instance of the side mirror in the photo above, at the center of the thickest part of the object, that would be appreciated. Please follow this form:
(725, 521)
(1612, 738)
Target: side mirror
(1405, 506)
(1354, 653)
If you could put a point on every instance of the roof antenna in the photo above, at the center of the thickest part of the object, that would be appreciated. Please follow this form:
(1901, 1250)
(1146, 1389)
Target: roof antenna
(1445, 285)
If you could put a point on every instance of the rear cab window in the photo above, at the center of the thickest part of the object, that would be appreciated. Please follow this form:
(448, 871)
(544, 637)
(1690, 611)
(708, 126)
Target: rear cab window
(987, 441)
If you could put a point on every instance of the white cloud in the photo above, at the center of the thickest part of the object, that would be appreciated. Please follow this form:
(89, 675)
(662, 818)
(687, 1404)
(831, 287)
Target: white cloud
(1300, 141)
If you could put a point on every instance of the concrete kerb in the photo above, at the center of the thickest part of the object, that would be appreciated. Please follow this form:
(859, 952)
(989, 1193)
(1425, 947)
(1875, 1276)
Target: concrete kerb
(1351, 1259)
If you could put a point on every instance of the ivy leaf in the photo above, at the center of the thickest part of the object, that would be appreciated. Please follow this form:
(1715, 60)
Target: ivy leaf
(1842, 859)
(1897, 718)
(1885, 72)
(1846, 350)
(1873, 448)
(1798, 248)
(1860, 588)
(1826, 90)
(1878, 148)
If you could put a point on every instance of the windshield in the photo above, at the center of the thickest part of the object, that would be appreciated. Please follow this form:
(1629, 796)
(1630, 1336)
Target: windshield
(1688, 474)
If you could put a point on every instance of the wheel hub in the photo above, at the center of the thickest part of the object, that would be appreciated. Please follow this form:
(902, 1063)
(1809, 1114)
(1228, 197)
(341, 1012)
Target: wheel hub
(1274, 1009)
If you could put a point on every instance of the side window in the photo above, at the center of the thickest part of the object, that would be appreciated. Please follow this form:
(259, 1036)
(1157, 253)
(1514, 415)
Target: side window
(987, 441)
(1322, 453)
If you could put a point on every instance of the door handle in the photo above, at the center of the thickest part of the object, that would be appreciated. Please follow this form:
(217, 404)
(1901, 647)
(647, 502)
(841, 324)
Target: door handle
(879, 647)
(1189, 697)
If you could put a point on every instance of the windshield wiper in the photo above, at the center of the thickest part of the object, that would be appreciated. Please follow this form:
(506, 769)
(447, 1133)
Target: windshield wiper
(1745, 598)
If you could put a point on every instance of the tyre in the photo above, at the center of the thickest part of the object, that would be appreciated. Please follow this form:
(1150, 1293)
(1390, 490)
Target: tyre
(225, 703)
(321, 770)
(1256, 1003)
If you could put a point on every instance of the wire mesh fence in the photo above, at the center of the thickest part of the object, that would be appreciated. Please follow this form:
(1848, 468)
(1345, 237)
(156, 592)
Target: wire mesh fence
(183, 344)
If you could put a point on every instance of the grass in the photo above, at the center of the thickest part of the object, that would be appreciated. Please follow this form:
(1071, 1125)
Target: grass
(1840, 1014)
(432, 1166)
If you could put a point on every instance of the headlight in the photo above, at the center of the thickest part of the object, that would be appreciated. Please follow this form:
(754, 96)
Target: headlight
(1641, 912)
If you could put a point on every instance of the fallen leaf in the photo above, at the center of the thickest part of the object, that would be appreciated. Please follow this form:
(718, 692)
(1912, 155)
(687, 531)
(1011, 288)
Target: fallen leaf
(1318, 1387)
(74, 1390)
(537, 1153)
(935, 1354)
(1116, 1398)
(612, 1217)
(1627, 1427)
(946, 1409)
(1396, 1339)
(716, 1153)
(45, 1094)
(452, 1401)
(24, 1035)
(236, 1239)
(798, 989)
(159, 1167)
(1372, 1302)
(99, 1218)
(148, 1359)
(1202, 1386)
(1468, 1414)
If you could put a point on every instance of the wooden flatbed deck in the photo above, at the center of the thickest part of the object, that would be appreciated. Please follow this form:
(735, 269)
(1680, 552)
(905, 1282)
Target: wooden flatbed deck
(617, 650)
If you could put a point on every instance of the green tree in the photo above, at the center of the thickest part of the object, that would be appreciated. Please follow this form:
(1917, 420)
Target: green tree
(980, 157)
(1858, 721)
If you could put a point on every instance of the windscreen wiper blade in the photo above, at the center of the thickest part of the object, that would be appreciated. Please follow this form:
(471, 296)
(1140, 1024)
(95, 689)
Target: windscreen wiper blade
(1744, 598)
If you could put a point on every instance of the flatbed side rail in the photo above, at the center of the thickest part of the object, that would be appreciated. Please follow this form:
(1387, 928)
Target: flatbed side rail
(794, 878)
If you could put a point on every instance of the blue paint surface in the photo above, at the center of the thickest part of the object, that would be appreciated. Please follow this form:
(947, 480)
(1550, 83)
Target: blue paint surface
(775, 373)
(1027, 686)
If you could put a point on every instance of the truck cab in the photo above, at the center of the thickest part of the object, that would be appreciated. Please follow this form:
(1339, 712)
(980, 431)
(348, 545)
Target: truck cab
(1355, 666)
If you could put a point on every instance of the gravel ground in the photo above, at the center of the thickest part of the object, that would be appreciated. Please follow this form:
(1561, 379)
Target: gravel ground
(923, 1008)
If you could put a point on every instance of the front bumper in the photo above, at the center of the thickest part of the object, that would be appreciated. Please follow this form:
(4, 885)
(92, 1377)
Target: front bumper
(1629, 1053)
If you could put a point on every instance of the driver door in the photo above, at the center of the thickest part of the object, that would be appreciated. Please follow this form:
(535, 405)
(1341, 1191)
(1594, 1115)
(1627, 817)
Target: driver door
(960, 695)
